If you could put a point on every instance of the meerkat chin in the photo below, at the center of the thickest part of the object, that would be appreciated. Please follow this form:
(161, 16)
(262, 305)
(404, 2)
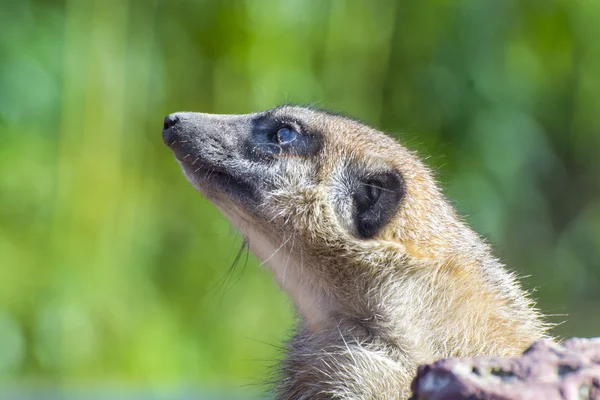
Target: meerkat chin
(383, 274)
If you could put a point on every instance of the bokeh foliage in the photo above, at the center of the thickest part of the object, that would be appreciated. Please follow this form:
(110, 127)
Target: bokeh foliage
(113, 269)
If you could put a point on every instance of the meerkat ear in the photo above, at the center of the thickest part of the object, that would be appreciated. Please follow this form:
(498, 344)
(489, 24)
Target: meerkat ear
(376, 200)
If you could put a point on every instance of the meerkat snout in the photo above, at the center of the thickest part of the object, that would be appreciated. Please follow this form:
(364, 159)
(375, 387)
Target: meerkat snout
(383, 273)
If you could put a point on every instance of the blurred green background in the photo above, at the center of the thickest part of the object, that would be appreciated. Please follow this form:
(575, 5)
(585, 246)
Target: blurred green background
(114, 272)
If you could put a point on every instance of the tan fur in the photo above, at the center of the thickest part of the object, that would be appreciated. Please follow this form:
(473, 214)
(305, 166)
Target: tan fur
(425, 287)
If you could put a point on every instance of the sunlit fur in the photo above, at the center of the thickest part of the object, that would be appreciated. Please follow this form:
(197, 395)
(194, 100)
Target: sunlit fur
(425, 287)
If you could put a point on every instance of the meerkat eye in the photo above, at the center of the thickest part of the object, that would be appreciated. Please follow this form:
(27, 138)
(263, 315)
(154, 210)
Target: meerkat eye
(376, 200)
(285, 135)
(274, 138)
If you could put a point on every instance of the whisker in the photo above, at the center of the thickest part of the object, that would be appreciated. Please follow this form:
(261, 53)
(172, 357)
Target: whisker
(275, 252)
(225, 282)
(379, 187)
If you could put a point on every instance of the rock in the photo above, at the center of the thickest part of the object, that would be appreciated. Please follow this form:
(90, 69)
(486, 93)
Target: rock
(546, 371)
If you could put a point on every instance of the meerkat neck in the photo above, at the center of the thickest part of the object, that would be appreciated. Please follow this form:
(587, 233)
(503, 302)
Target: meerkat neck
(429, 307)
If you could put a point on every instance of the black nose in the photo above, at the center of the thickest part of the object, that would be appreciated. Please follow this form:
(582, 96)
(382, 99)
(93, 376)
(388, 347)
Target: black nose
(170, 120)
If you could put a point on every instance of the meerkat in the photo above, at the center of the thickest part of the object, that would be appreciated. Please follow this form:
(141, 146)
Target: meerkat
(382, 272)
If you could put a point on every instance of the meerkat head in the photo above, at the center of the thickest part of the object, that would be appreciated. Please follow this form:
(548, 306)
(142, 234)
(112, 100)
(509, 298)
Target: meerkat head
(334, 207)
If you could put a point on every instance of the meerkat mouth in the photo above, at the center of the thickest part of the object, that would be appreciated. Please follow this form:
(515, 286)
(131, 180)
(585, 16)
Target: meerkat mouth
(213, 179)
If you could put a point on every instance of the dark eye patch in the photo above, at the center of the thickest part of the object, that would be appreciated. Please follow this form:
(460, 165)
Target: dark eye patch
(376, 199)
(278, 136)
